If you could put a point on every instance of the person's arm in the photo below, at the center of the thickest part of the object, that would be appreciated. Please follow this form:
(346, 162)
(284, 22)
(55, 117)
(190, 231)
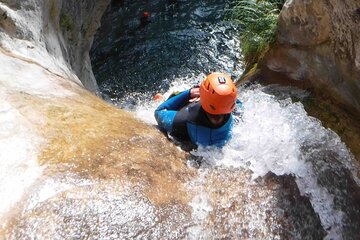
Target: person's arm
(176, 102)
(166, 112)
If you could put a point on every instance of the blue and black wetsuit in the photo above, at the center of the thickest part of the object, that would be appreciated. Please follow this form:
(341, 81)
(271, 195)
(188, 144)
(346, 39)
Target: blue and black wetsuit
(188, 122)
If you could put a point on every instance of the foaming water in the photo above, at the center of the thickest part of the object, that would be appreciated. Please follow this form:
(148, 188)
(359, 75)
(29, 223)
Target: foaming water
(145, 108)
(174, 52)
(276, 135)
(18, 156)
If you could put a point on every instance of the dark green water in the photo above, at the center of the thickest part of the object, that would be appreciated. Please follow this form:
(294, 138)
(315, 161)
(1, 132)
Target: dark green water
(183, 39)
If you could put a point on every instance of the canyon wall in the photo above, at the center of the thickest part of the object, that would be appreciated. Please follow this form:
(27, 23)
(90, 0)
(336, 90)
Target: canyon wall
(318, 46)
(57, 34)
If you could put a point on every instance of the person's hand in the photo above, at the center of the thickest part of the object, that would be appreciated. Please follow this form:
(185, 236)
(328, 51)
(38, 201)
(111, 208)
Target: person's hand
(194, 95)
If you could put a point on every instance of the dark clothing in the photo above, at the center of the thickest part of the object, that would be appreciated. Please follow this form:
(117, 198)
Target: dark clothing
(188, 122)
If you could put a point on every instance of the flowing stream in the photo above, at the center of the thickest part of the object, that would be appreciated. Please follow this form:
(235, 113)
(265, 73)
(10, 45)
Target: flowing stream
(281, 176)
(186, 40)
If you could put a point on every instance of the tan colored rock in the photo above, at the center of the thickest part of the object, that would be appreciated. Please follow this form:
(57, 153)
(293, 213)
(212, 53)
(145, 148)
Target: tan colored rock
(312, 22)
(76, 133)
(318, 44)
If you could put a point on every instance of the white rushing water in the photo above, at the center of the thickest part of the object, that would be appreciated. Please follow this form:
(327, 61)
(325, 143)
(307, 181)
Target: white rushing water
(271, 137)
(276, 135)
(20, 142)
(18, 156)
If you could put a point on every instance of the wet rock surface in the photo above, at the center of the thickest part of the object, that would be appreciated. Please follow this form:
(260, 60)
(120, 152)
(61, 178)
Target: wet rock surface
(317, 43)
(226, 205)
(269, 207)
(56, 34)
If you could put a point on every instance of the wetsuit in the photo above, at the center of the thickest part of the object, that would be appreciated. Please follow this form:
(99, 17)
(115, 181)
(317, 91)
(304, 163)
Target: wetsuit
(188, 122)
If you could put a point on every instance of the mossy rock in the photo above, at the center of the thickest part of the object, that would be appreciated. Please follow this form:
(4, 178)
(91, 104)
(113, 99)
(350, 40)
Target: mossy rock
(66, 22)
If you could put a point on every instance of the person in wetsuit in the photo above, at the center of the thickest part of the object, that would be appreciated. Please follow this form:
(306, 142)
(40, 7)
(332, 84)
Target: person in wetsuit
(145, 19)
(207, 122)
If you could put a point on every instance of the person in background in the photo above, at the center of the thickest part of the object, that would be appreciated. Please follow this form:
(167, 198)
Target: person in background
(145, 19)
(201, 115)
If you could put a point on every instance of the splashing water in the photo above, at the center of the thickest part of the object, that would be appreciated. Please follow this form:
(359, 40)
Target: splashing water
(276, 135)
(279, 136)
(18, 165)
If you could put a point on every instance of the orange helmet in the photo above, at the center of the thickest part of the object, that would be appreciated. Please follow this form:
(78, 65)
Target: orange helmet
(218, 94)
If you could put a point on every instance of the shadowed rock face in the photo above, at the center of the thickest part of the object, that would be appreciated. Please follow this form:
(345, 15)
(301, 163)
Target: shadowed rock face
(79, 34)
(57, 34)
(318, 43)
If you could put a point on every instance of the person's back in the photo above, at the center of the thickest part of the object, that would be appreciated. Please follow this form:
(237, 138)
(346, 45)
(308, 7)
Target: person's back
(207, 122)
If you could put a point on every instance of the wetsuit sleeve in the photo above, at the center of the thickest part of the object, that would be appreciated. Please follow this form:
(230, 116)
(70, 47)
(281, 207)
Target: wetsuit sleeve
(165, 113)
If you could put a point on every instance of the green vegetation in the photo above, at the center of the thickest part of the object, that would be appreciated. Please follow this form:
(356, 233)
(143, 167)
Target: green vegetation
(66, 22)
(258, 21)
